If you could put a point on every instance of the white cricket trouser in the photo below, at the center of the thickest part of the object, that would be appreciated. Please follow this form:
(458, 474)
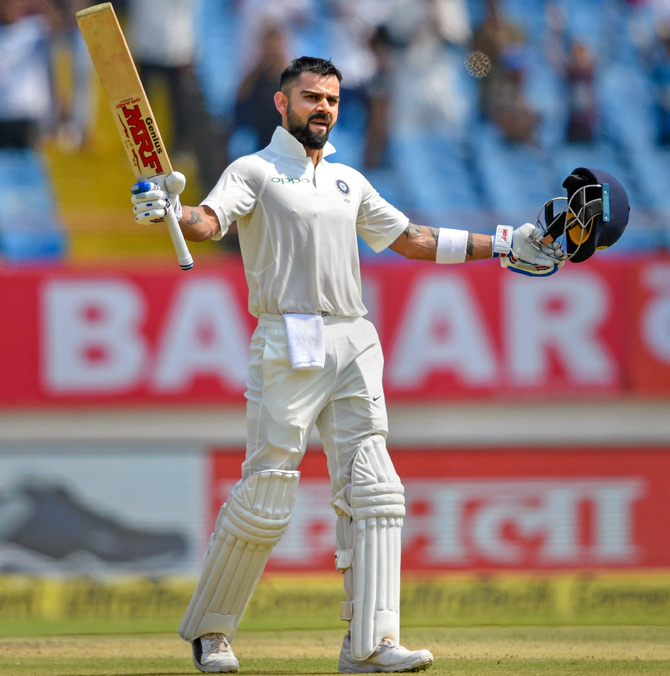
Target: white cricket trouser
(345, 399)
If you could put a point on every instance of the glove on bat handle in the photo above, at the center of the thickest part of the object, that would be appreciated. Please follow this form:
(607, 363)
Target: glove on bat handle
(174, 185)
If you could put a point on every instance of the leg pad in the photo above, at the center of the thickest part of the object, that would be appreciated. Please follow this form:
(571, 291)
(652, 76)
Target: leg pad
(369, 554)
(249, 525)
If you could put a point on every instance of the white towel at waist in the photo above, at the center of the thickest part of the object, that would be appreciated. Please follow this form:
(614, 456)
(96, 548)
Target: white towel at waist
(306, 346)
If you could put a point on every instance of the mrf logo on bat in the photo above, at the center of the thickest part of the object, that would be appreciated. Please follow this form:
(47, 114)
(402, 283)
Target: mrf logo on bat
(142, 135)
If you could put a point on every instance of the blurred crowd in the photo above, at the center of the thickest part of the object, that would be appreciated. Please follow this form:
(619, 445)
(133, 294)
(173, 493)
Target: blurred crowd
(402, 60)
(30, 108)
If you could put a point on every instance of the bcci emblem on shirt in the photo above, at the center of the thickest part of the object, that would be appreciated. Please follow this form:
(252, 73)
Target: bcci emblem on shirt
(342, 186)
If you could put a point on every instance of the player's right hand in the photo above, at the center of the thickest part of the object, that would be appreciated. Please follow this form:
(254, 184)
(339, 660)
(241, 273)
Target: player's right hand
(152, 199)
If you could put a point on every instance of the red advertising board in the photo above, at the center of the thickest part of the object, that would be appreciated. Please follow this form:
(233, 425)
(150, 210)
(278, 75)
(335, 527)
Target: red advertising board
(152, 336)
(650, 349)
(493, 509)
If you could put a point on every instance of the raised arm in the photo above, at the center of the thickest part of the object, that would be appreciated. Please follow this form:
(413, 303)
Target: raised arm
(199, 223)
(151, 204)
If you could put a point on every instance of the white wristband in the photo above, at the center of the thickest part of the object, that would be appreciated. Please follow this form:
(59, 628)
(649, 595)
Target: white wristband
(451, 245)
(502, 242)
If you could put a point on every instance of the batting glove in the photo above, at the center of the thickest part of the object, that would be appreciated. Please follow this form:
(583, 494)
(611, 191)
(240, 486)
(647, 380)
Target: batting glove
(525, 255)
(153, 199)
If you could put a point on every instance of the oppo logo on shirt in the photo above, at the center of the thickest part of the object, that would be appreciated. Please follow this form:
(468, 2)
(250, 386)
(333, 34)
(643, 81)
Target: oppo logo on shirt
(281, 179)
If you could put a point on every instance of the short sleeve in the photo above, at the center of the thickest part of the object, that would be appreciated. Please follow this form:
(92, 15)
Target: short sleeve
(378, 223)
(236, 192)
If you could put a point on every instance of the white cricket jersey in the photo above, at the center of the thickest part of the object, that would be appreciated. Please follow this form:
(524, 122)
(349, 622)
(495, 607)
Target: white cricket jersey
(297, 226)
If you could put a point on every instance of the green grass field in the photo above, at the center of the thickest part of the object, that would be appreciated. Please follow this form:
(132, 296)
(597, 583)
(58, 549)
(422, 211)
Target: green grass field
(474, 651)
(615, 624)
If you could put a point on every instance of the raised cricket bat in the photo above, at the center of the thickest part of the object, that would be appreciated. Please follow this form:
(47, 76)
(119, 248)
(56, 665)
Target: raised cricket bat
(130, 107)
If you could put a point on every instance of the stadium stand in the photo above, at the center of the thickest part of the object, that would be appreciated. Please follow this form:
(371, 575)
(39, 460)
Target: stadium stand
(472, 177)
(29, 230)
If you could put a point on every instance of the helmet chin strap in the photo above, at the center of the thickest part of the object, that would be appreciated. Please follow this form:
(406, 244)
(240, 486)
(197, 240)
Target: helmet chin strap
(577, 217)
(555, 224)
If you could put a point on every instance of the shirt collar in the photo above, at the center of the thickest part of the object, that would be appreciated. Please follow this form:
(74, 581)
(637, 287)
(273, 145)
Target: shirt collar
(284, 143)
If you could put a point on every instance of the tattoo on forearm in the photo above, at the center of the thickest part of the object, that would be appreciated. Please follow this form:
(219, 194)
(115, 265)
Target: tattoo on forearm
(412, 231)
(470, 246)
(194, 218)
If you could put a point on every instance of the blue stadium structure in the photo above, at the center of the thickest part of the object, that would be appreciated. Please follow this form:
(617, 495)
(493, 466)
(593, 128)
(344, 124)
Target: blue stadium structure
(469, 174)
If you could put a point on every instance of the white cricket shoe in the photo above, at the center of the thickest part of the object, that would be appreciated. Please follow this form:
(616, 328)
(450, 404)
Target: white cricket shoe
(389, 657)
(212, 653)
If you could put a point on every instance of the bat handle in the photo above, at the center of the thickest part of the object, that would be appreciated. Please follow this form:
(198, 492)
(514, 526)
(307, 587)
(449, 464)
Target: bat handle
(177, 236)
(174, 185)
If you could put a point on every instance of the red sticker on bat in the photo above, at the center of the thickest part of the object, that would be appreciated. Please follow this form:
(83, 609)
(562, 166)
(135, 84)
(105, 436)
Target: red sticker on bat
(144, 135)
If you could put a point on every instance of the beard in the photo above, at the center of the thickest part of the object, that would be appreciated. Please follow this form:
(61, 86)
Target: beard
(302, 132)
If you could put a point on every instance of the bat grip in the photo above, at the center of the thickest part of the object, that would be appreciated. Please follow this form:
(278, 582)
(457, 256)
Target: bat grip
(174, 184)
(177, 236)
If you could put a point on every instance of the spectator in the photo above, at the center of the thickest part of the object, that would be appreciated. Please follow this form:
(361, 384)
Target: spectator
(77, 110)
(576, 66)
(294, 16)
(509, 110)
(350, 27)
(581, 96)
(163, 45)
(659, 71)
(498, 38)
(425, 77)
(27, 103)
(259, 84)
(379, 89)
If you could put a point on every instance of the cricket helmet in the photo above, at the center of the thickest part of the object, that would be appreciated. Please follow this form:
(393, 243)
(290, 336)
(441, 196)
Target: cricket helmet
(593, 215)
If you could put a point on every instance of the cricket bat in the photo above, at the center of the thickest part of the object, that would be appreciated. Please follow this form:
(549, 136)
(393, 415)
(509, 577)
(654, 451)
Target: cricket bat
(130, 107)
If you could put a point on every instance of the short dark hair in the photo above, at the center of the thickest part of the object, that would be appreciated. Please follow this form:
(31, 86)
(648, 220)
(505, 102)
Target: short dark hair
(307, 64)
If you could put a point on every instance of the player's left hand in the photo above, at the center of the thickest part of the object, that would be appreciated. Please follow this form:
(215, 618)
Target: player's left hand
(153, 199)
(526, 257)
